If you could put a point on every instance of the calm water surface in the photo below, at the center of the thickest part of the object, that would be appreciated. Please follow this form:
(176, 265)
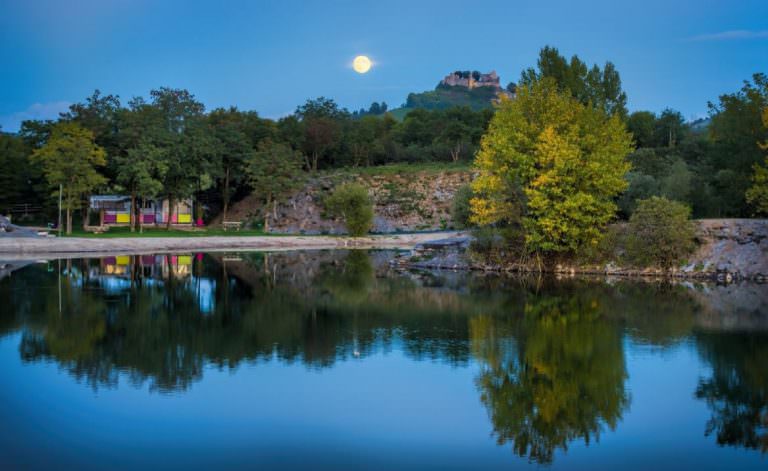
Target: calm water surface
(332, 360)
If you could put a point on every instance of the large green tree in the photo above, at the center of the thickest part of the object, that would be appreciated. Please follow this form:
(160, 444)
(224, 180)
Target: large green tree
(552, 164)
(600, 87)
(70, 159)
(272, 170)
(141, 171)
(736, 132)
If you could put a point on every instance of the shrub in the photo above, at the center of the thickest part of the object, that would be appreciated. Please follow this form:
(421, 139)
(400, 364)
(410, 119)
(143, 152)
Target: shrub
(351, 202)
(460, 208)
(660, 233)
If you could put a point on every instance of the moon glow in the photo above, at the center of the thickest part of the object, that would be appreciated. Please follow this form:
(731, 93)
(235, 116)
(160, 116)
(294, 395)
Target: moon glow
(361, 64)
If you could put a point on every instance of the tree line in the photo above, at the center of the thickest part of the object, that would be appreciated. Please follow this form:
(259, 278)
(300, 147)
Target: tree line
(168, 145)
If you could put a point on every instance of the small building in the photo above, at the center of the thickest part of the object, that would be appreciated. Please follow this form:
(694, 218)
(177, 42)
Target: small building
(115, 210)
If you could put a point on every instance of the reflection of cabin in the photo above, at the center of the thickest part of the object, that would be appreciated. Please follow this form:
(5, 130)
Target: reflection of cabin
(115, 210)
(159, 267)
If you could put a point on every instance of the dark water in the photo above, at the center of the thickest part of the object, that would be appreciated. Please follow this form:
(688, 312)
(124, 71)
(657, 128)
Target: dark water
(331, 360)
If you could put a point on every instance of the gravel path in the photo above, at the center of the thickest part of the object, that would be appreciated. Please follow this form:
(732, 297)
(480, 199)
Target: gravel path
(13, 246)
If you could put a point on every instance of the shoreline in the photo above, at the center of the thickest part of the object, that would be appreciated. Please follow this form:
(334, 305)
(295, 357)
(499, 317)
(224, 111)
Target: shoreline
(26, 247)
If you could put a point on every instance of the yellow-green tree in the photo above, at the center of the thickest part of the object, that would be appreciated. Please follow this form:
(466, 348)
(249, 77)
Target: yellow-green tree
(70, 158)
(553, 165)
(757, 194)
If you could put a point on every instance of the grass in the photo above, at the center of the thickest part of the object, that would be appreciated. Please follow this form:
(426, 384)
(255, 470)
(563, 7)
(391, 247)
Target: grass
(121, 232)
(407, 168)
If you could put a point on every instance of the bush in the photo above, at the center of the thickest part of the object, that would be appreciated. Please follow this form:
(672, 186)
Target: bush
(460, 209)
(350, 201)
(660, 233)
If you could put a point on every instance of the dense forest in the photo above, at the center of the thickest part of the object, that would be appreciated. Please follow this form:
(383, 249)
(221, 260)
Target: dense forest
(169, 145)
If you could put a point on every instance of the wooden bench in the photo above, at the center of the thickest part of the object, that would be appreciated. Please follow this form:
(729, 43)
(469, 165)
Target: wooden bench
(231, 225)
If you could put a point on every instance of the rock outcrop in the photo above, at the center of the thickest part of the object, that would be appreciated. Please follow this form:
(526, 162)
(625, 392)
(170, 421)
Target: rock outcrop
(403, 202)
(729, 250)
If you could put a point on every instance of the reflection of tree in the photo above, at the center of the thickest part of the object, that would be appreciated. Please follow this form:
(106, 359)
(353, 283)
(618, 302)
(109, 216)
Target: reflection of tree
(552, 376)
(737, 391)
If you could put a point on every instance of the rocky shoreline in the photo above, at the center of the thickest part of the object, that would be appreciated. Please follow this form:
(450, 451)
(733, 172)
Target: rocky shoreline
(729, 250)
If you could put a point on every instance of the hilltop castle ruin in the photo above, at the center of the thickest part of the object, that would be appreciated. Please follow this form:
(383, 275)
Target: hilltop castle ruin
(472, 79)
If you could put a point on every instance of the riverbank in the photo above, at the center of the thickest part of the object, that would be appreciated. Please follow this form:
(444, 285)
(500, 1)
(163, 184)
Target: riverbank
(727, 250)
(52, 246)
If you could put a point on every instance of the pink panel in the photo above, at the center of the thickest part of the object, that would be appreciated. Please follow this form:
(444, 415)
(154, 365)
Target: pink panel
(110, 218)
(148, 218)
(175, 218)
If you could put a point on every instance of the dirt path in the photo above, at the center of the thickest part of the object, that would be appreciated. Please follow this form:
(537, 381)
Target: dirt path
(26, 247)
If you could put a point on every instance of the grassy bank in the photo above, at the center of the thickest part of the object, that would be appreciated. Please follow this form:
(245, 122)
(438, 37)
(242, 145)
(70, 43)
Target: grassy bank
(124, 232)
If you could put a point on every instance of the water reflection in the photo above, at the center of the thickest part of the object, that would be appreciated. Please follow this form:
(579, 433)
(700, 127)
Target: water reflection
(551, 375)
(737, 390)
(550, 355)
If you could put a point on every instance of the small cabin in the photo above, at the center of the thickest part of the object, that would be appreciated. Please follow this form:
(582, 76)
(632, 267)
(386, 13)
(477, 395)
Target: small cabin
(115, 210)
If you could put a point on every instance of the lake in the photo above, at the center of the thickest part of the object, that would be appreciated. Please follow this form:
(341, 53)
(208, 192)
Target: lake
(334, 360)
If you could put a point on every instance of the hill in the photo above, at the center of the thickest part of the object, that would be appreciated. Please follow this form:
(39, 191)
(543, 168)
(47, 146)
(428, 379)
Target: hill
(460, 88)
(448, 96)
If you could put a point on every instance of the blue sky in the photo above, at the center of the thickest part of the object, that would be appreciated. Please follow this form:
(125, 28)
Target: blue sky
(270, 56)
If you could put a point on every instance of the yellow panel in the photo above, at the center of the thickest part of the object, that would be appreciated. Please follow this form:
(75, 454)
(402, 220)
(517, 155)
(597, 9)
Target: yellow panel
(185, 218)
(185, 260)
(123, 259)
(123, 218)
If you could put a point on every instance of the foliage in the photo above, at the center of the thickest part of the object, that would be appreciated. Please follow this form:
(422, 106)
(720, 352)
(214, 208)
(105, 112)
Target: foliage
(553, 165)
(17, 172)
(70, 158)
(444, 97)
(660, 233)
(640, 186)
(736, 131)
(757, 194)
(272, 170)
(461, 211)
(598, 87)
(351, 202)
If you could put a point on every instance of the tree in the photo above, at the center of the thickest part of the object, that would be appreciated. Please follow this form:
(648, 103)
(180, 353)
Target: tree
(351, 202)
(321, 119)
(641, 186)
(660, 233)
(70, 158)
(757, 194)
(141, 171)
(642, 125)
(461, 211)
(676, 185)
(233, 147)
(553, 165)
(669, 129)
(188, 147)
(735, 132)
(17, 172)
(101, 115)
(272, 170)
(601, 88)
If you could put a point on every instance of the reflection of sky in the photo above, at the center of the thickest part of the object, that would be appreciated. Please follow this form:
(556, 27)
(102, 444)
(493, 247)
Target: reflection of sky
(205, 289)
(381, 412)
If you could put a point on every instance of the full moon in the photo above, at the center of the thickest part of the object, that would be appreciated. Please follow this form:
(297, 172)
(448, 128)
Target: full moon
(361, 64)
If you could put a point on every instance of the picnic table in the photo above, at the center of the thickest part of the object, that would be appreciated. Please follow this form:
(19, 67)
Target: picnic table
(231, 225)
